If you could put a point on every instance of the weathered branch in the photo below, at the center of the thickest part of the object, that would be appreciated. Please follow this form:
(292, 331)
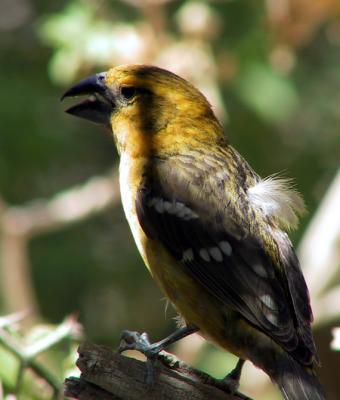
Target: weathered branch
(112, 376)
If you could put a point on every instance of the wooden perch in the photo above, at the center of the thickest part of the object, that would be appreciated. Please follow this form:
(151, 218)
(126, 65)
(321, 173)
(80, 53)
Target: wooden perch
(111, 376)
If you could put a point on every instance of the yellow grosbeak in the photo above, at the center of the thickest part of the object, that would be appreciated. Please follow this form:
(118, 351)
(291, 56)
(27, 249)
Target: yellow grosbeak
(209, 229)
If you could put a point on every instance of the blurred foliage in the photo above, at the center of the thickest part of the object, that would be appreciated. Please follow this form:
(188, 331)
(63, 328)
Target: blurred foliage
(37, 360)
(274, 67)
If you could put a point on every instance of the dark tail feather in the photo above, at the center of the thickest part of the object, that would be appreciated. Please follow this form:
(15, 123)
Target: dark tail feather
(297, 382)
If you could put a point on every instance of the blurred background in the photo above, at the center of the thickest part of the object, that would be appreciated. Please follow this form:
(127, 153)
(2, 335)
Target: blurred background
(270, 68)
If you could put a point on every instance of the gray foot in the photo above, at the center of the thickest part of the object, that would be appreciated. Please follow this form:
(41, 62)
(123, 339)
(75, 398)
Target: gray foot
(140, 341)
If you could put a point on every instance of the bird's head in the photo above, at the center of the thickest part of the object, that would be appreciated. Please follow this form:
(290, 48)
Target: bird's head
(141, 103)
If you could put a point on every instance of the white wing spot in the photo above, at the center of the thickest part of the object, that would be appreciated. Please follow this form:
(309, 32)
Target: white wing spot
(225, 247)
(152, 202)
(159, 206)
(182, 213)
(269, 302)
(272, 318)
(260, 270)
(190, 214)
(176, 208)
(204, 254)
(216, 254)
(167, 206)
(188, 255)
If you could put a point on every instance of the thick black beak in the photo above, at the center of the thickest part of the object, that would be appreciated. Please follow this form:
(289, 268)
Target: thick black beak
(99, 106)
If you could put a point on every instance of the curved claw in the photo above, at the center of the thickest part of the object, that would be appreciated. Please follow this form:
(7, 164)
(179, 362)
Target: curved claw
(131, 340)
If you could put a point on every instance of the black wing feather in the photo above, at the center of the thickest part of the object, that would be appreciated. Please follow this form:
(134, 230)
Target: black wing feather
(259, 296)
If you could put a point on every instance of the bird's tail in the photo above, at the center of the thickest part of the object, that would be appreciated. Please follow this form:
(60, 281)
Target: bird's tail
(297, 382)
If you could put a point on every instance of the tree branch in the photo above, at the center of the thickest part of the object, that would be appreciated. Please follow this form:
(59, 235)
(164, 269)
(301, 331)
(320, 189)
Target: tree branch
(69, 206)
(111, 376)
(19, 224)
(26, 355)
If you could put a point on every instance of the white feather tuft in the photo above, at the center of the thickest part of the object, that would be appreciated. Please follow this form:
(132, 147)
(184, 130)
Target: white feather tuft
(278, 199)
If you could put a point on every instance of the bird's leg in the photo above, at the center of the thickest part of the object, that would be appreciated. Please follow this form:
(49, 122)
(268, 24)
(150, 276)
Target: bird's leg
(232, 380)
(140, 341)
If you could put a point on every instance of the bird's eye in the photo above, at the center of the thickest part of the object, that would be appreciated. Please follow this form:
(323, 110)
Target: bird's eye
(128, 92)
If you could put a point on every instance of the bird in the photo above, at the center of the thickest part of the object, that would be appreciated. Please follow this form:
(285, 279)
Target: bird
(211, 231)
